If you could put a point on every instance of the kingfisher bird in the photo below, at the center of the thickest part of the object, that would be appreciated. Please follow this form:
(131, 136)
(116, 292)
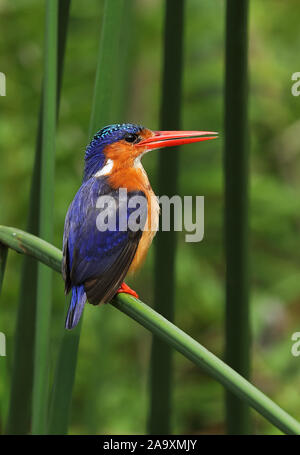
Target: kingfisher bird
(95, 260)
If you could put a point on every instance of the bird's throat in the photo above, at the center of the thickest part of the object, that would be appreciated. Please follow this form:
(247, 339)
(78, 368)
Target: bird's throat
(133, 178)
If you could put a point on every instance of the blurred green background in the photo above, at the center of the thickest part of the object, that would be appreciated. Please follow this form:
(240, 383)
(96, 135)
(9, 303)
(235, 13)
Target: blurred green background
(110, 395)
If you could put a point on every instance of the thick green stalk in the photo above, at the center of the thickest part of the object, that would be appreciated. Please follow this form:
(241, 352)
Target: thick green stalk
(20, 403)
(3, 362)
(44, 283)
(51, 256)
(63, 382)
(165, 242)
(61, 397)
(107, 65)
(237, 350)
(20, 406)
(31, 245)
(125, 64)
(3, 257)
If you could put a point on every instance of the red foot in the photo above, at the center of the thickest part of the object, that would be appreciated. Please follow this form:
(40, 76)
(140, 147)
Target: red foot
(125, 288)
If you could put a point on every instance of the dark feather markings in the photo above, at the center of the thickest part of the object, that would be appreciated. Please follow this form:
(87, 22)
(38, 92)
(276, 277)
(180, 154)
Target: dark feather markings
(66, 269)
(104, 287)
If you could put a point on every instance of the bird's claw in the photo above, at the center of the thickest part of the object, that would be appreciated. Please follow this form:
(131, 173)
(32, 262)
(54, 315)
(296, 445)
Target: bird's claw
(127, 290)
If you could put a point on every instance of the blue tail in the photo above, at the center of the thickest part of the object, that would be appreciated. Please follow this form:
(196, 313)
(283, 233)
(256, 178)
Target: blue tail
(76, 306)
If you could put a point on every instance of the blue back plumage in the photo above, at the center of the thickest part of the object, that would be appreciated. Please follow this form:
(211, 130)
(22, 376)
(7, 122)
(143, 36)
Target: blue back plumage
(94, 155)
(88, 252)
(85, 241)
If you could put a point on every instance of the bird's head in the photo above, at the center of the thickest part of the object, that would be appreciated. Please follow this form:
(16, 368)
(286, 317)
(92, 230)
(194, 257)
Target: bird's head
(122, 145)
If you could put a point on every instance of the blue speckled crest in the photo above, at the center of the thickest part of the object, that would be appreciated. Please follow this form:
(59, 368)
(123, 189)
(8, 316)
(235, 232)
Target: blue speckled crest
(110, 134)
(94, 156)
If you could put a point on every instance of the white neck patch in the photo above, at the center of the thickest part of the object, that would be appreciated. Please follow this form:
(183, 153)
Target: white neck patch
(138, 165)
(105, 170)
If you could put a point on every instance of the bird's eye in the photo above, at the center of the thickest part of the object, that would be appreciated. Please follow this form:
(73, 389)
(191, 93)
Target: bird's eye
(131, 137)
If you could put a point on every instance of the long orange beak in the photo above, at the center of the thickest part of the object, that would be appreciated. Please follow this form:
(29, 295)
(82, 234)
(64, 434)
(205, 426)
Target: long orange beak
(171, 138)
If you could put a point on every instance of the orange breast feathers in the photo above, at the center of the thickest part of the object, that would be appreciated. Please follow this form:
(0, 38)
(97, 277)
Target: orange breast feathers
(149, 232)
(135, 178)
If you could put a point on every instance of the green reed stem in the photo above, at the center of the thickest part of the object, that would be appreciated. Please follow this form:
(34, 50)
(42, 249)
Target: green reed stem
(106, 65)
(237, 349)
(44, 282)
(3, 258)
(63, 382)
(3, 364)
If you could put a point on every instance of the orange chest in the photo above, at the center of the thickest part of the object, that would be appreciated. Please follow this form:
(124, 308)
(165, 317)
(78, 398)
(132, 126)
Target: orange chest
(135, 179)
(151, 227)
(131, 178)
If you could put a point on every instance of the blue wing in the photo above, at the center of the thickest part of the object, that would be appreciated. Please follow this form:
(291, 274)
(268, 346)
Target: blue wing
(96, 260)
